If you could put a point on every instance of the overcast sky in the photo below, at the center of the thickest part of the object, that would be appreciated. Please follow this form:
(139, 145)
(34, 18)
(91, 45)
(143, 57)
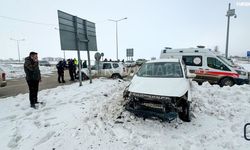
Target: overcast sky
(151, 26)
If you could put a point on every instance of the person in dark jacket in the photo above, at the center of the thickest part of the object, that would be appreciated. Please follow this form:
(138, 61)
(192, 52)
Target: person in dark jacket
(60, 71)
(33, 77)
(84, 64)
(71, 69)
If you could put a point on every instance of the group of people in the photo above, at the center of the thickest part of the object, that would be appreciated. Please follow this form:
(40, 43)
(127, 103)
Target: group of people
(71, 64)
(106, 60)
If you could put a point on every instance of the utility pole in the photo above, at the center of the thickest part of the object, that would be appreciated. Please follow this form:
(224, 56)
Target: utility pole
(17, 41)
(230, 13)
(116, 26)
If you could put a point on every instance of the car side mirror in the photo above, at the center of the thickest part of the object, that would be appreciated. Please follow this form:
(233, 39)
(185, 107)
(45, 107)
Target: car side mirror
(247, 131)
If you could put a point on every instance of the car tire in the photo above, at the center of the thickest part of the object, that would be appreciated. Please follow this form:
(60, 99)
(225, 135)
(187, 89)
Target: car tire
(116, 76)
(226, 82)
(200, 83)
(184, 115)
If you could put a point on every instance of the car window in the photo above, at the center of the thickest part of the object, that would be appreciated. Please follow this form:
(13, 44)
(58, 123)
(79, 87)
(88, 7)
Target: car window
(192, 60)
(230, 63)
(115, 65)
(161, 69)
(216, 64)
(107, 66)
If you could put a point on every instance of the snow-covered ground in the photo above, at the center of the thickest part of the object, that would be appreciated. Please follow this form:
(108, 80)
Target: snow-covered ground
(93, 117)
(14, 71)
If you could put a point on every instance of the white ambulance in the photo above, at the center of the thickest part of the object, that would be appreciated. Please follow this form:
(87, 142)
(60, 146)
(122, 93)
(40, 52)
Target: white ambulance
(208, 66)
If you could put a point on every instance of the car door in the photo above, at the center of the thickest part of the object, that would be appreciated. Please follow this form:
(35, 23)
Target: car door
(106, 70)
(116, 68)
(215, 70)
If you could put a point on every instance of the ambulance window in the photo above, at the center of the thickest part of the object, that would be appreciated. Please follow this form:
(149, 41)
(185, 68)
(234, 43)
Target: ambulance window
(216, 64)
(192, 60)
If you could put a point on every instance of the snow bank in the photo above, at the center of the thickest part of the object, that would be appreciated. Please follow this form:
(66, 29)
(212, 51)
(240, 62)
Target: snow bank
(14, 71)
(246, 66)
(93, 117)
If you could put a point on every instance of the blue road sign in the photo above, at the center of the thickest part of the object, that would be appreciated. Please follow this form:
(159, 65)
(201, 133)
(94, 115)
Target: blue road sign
(248, 53)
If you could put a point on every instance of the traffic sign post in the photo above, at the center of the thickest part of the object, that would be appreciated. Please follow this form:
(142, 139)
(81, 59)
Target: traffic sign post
(130, 53)
(248, 55)
(98, 58)
(77, 34)
(78, 51)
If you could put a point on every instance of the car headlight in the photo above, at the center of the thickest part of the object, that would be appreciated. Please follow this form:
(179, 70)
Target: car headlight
(241, 72)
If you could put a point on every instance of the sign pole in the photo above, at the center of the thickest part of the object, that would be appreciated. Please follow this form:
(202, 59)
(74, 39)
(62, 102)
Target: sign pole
(90, 75)
(78, 51)
(79, 67)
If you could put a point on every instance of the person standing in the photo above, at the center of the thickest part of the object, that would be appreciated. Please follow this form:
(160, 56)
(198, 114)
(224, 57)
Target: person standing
(60, 71)
(75, 66)
(84, 64)
(33, 77)
(71, 69)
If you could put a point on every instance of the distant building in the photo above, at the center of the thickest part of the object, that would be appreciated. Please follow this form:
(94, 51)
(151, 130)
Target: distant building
(52, 59)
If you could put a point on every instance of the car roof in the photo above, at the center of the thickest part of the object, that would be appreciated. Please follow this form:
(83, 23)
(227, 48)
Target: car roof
(110, 62)
(164, 60)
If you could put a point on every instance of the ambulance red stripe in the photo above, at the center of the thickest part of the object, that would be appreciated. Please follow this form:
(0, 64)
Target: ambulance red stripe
(216, 73)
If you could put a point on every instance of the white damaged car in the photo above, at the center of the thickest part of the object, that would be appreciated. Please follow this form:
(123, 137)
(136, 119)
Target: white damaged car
(160, 88)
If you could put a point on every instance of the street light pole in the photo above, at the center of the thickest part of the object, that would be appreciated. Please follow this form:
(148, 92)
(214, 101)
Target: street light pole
(116, 26)
(230, 13)
(17, 41)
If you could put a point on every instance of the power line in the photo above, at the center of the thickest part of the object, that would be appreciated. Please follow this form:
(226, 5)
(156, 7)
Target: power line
(28, 21)
(56, 27)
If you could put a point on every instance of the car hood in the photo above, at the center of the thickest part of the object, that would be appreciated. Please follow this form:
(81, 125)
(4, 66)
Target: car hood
(173, 87)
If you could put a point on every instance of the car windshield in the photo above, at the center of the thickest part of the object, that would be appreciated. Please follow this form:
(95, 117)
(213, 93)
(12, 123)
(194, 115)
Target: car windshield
(231, 64)
(161, 69)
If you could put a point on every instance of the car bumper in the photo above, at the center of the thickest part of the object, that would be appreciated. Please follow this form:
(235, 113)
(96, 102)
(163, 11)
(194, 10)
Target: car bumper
(239, 81)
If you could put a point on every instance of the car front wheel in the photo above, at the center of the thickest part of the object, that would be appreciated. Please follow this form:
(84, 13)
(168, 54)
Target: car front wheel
(226, 82)
(184, 115)
(116, 76)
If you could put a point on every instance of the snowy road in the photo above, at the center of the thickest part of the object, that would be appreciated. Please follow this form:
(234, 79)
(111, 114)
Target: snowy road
(19, 85)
